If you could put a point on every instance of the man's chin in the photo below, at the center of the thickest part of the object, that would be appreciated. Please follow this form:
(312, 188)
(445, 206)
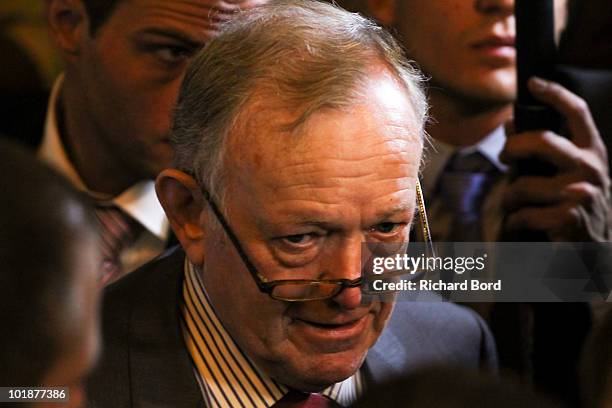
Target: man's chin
(158, 159)
(496, 88)
(314, 373)
(483, 90)
(319, 376)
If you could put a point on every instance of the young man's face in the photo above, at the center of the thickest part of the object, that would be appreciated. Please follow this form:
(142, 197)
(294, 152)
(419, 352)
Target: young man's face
(130, 70)
(466, 46)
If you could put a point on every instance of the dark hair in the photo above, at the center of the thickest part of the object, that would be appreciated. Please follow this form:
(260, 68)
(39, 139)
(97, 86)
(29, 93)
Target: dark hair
(41, 219)
(98, 12)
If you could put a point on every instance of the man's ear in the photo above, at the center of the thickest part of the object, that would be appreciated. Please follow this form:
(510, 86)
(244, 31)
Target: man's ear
(383, 11)
(69, 25)
(181, 197)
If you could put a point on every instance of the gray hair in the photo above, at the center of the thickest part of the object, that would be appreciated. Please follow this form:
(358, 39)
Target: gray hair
(310, 55)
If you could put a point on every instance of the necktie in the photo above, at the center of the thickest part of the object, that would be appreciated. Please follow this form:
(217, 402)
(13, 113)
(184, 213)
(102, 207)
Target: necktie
(463, 186)
(118, 232)
(297, 399)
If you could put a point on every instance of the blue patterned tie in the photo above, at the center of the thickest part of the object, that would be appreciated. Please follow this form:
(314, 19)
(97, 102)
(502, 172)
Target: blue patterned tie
(463, 187)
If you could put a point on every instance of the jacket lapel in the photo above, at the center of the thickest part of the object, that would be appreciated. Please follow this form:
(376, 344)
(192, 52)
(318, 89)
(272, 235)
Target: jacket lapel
(160, 367)
(384, 360)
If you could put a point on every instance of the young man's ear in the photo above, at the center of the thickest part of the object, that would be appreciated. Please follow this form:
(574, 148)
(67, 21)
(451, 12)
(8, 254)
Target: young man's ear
(181, 197)
(382, 11)
(69, 26)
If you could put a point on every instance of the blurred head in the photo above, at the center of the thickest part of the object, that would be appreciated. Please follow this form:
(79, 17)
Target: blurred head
(466, 46)
(48, 277)
(126, 59)
(306, 124)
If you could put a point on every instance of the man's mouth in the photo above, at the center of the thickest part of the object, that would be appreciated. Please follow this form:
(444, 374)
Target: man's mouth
(332, 326)
(496, 48)
(495, 41)
(341, 331)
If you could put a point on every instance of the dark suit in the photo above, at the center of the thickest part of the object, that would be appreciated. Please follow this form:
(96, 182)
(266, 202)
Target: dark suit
(145, 363)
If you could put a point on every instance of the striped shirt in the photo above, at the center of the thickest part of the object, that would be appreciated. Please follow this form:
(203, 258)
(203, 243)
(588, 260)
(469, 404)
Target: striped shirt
(227, 377)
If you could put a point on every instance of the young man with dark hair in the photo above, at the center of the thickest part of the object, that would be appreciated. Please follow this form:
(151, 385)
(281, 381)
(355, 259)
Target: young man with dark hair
(109, 113)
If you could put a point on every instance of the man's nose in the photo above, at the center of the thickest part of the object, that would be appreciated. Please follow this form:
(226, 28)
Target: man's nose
(500, 7)
(346, 264)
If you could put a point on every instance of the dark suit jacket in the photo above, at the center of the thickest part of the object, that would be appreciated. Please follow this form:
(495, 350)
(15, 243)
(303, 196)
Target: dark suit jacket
(145, 363)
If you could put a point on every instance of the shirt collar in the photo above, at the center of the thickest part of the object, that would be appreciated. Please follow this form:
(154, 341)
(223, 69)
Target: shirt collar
(438, 154)
(139, 201)
(227, 377)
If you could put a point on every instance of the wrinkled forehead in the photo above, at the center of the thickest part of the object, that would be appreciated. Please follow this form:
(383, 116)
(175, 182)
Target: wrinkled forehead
(367, 144)
(378, 114)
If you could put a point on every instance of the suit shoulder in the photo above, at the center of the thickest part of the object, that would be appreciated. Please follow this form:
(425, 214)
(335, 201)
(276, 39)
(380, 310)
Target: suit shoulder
(166, 266)
(434, 316)
(143, 289)
(449, 332)
(144, 294)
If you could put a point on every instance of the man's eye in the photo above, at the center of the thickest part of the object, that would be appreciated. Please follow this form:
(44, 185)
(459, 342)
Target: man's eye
(386, 227)
(298, 239)
(172, 54)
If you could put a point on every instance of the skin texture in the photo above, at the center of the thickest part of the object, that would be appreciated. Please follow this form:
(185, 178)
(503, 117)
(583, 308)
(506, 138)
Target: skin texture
(465, 46)
(472, 82)
(117, 131)
(451, 41)
(314, 196)
(472, 89)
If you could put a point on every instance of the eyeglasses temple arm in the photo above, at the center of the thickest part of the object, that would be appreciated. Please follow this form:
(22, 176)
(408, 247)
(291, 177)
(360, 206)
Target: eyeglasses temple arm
(423, 217)
(230, 233)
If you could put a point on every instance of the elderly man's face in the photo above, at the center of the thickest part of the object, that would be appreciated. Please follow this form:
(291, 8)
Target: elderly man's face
(131, 69)
(301, 204)
(467, 46)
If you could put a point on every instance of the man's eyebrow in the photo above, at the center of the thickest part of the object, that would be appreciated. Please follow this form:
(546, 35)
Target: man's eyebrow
(396, 209)
(304, 221)
(315, 219)
(173, 34)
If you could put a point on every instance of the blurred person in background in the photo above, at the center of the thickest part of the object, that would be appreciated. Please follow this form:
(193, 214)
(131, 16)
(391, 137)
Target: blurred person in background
(49, 283)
